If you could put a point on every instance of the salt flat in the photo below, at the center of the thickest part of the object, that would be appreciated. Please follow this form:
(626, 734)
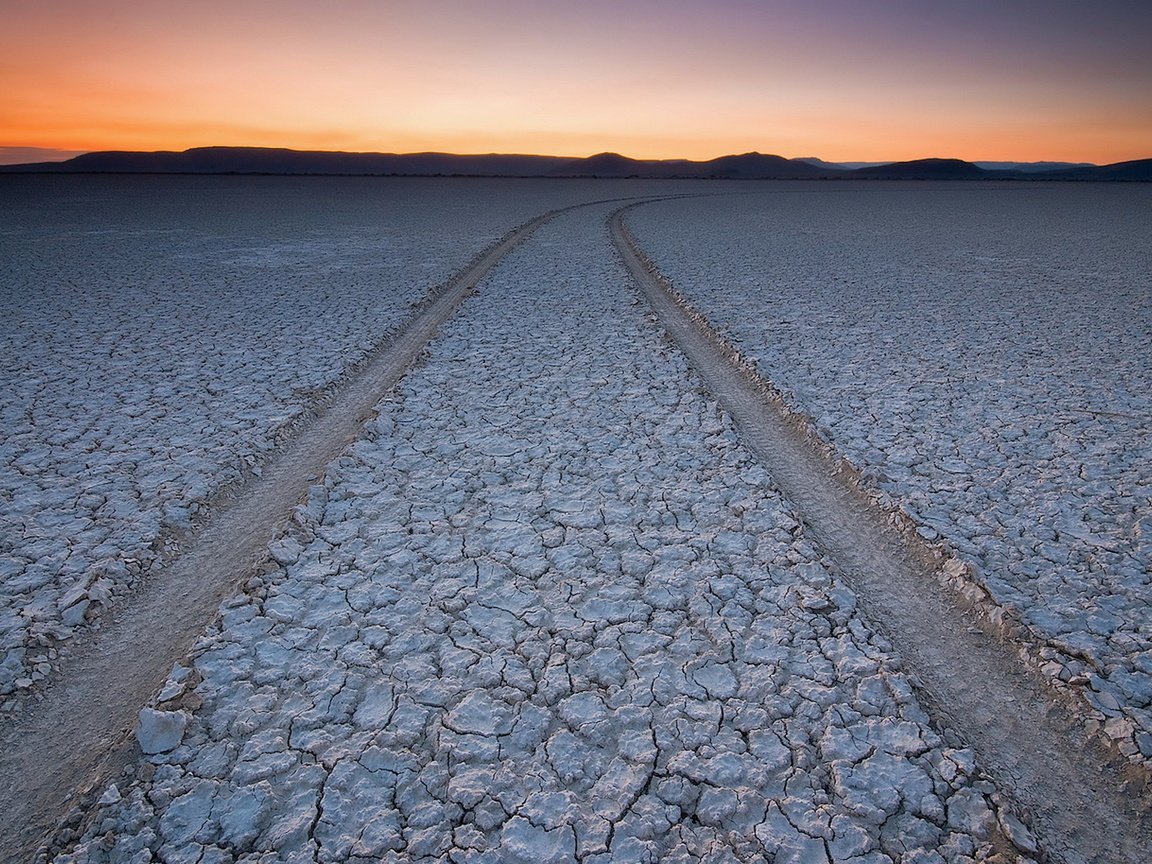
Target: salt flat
(547, 609)
(981, 354)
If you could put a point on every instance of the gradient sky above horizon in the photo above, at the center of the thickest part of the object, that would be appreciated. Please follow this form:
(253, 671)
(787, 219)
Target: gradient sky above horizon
(839, 79)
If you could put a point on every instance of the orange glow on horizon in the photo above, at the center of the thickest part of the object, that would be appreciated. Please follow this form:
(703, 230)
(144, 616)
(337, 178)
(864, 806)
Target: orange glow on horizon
(538, 78)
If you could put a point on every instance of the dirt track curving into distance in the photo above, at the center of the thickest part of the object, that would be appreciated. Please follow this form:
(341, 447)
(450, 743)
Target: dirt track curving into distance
(79, 735)
(67, 746)
(971, 681)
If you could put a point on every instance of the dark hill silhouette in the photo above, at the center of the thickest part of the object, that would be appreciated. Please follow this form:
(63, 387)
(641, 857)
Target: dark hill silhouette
(817, 161)
(928, 169)
(267, 160)
(757, 165)
(264, 160)
(1033, 167)
(1138, 170)
(603, 165)
(745, 166)
(261, 160)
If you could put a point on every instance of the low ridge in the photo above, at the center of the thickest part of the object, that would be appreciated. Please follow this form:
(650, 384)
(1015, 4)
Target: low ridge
(744, 166)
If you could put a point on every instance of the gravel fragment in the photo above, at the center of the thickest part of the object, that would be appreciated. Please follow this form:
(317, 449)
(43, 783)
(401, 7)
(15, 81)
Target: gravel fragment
(160, 731)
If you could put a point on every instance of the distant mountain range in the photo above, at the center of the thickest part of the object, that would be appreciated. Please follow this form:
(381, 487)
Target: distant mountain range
(747, 166)
(1034, 167)
(1025, 167)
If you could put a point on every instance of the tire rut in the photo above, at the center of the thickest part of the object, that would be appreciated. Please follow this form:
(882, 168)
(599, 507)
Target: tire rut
(78, 736)
(970, 679)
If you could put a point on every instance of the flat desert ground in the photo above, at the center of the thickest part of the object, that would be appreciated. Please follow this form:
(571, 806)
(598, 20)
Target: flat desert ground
(386, 519)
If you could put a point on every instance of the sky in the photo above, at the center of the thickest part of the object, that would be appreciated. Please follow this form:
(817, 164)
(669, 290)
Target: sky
(844, 80)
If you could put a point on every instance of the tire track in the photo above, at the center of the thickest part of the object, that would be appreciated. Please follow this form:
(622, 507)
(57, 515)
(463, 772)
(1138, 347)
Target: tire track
(970, 679)
(79, 735)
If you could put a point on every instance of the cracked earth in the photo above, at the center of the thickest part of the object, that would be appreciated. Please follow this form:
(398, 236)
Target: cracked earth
(987, 372)
(548, 607)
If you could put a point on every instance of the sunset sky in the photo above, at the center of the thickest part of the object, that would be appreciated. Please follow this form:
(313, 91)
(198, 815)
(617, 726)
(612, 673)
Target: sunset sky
(840, 79)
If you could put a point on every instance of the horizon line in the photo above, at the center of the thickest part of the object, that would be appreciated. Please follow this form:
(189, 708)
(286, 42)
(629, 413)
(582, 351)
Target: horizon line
(65, 155)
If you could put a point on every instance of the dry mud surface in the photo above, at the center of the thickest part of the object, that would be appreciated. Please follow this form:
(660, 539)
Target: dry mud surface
(160, 336)
(80, 729)
(980, 353)
(548, 607)
(1078, 793)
